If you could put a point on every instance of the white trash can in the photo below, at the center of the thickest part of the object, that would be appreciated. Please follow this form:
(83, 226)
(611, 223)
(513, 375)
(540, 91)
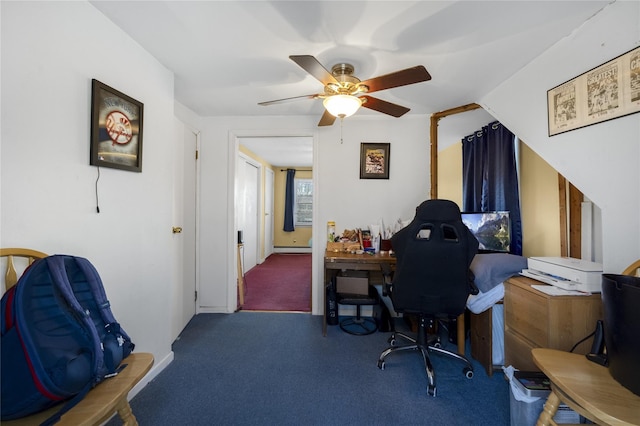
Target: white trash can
(529, 392)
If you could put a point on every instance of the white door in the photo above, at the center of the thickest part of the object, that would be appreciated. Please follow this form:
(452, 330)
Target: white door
(268, 212)
(248, 211)
(189, 228)
(183, 302)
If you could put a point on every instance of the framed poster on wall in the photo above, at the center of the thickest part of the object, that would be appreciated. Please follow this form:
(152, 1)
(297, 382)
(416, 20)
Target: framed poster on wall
(116, 129)
(374, 160)
(608, 91)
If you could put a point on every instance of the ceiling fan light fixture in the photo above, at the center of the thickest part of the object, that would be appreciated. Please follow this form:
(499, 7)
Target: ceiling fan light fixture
(342, 105)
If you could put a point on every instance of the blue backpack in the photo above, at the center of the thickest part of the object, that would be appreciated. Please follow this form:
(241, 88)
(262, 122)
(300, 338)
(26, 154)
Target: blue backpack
(59, 337)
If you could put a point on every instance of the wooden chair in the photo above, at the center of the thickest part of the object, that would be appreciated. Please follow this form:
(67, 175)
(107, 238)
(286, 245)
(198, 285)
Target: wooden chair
(104, 400)
(27, 256)
(633, 269)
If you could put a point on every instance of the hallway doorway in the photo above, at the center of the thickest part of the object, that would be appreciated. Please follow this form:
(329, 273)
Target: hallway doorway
(272, 155)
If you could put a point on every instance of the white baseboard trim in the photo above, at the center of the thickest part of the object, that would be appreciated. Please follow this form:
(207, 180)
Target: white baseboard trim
(155, 370)
(292, 249)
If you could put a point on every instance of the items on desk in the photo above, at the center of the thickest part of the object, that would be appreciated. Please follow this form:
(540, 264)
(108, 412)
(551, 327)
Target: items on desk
(331, 231)
(375, 239)
(349, 241)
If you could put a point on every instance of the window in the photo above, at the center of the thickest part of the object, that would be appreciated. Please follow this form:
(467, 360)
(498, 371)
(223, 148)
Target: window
(303, 202)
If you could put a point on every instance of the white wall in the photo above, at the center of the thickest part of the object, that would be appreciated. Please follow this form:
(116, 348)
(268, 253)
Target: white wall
(340, 193)
(50, 53)
(600, 160)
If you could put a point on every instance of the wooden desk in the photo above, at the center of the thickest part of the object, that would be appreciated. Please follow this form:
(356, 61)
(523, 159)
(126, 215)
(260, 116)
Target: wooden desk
(335, 262)
(585, 387)
(339, 261)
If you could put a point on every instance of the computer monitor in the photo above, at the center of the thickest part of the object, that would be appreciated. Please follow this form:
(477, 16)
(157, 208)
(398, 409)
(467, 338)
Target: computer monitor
(491, 229)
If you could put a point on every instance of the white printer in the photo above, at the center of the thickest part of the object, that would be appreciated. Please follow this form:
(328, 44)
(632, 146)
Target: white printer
(566, 272)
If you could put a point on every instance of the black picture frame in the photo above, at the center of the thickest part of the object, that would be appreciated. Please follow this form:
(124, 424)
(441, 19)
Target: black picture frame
(116, 129)
(603, 93)
(374, 160)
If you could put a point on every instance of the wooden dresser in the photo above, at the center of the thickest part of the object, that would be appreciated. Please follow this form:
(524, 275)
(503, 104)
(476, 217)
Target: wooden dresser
(536, 320)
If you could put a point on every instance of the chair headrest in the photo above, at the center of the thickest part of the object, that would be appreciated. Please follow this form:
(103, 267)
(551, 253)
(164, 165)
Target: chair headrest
(440, 210)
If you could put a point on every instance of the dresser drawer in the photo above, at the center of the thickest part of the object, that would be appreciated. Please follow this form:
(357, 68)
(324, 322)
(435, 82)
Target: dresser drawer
(518, 352)
(534, 319)
(527, 313)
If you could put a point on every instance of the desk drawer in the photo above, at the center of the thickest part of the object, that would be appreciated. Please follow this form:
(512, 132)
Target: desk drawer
(527, 313)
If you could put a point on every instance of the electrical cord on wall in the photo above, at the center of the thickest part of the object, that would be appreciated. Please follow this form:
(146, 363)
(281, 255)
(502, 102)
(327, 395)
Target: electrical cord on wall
(97, 203)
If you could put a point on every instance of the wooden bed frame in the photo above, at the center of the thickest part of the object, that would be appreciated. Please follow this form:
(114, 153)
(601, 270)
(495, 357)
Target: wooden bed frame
(104, 400)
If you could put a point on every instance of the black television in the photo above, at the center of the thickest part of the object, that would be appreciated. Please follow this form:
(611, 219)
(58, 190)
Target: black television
(491, 229)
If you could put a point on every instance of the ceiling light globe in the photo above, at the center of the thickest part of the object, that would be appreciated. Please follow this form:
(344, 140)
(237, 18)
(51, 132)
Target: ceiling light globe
(342, 105)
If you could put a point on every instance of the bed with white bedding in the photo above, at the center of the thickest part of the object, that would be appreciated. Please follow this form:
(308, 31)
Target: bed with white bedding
(487, 318)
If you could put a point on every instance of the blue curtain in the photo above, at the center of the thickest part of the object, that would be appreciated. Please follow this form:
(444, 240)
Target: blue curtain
(289, 200)
(490, 178)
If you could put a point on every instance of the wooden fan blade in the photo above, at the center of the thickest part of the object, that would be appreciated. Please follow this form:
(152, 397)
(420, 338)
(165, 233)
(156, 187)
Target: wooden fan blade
(313, 67)
(398, 78)
(327, 119)
(384, 106)
(295, 98)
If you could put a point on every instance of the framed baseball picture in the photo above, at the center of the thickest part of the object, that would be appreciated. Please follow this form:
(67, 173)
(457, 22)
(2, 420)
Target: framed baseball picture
(116, 129)
(603, 93)
(374, 160)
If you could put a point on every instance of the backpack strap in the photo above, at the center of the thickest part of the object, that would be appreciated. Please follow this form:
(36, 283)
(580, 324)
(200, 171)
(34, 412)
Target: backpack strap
(58, 274)
(116, 343)
(68, 405)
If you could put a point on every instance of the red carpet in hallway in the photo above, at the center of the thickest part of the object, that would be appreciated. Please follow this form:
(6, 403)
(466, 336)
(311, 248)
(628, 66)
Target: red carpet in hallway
(281, 283)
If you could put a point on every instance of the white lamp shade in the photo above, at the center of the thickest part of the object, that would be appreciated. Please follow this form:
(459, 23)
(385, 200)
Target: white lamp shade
(342, 105)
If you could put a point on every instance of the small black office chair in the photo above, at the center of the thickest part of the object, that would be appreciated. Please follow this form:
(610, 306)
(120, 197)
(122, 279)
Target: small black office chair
(432, 279)
(359, 325)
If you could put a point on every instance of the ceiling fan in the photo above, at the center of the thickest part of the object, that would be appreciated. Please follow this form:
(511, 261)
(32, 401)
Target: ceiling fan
(344, 93)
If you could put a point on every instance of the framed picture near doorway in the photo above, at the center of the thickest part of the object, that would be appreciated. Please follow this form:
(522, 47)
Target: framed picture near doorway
(374, 160)
(116, 129)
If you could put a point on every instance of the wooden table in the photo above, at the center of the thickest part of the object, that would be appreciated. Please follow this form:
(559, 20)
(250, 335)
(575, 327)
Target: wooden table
(586, 388)
(339, 261)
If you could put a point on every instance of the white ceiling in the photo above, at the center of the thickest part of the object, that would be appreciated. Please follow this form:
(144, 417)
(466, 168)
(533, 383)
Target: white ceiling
(286, 151)
(229, 55)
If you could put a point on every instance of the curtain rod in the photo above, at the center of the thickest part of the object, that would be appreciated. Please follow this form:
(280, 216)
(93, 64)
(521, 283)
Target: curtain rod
(302, 170)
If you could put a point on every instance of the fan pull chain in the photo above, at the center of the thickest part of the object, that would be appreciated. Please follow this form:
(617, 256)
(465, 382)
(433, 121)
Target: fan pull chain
(341, 120)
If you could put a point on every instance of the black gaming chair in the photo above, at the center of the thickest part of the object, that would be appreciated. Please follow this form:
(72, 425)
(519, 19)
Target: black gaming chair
(432, 279)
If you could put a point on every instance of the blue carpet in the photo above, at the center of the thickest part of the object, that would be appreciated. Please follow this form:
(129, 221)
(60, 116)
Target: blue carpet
(260, 368)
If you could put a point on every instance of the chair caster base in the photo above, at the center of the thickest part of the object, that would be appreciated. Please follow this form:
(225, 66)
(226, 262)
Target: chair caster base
(468, 372)
(359, 326)
(431, 390)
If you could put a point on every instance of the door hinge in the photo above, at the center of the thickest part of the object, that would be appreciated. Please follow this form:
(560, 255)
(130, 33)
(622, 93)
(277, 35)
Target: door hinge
(197, 154)
(196, 299)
